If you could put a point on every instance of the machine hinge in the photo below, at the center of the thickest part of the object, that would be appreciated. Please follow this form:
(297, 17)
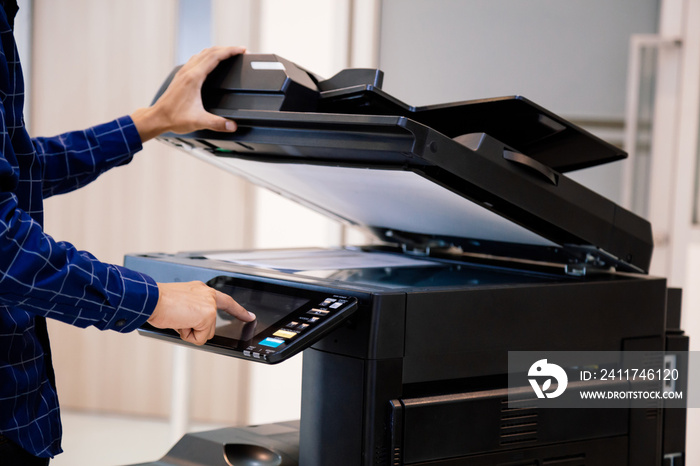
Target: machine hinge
(414, 250)
(415, 246)
(591, 266)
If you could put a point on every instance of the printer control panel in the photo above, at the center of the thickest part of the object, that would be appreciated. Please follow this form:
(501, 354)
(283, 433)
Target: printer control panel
(295, 327)
(288, 320)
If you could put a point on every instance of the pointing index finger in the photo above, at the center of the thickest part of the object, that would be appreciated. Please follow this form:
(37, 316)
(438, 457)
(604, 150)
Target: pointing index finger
(228, 304)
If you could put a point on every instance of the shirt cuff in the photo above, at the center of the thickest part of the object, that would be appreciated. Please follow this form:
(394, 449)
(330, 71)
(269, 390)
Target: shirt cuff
(131, 134)
(140, 296)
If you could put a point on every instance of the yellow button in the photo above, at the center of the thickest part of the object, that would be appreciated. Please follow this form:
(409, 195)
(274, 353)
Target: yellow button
(284, 334)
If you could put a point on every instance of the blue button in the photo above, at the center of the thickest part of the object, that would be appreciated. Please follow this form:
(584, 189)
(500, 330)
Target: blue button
(271, 342)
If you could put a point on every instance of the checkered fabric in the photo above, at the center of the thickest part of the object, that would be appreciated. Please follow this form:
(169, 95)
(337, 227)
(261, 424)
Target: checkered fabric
(41, 277)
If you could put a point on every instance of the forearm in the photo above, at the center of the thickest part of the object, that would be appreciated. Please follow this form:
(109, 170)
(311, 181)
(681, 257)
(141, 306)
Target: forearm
(150, 123)
(54, 279)
(74, 159)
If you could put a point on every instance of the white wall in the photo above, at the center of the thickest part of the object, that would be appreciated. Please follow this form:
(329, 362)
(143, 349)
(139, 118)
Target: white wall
(569, 56)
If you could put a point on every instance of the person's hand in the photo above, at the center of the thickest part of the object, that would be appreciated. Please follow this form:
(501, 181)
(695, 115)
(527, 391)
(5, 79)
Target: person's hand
(179, 109)
(190, 309)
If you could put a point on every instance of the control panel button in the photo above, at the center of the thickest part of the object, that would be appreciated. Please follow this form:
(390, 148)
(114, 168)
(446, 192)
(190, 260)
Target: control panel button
(271, 342)
(328, 301)
(282, 333)
(319, 312)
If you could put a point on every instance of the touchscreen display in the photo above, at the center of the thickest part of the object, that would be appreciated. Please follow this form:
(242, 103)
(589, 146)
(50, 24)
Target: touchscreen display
(268, 307)
(288, 320)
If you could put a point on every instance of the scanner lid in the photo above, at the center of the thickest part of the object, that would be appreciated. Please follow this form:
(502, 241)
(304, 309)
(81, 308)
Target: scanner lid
(484, 176)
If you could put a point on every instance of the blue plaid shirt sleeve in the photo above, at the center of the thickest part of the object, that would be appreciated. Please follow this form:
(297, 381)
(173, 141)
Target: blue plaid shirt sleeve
(74, 159)
(54, 279)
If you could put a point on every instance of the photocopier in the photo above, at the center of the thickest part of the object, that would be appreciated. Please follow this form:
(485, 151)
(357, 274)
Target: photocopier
(482, 247)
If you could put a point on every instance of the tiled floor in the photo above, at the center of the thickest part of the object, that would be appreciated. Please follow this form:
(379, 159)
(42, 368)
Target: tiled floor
(105, 440)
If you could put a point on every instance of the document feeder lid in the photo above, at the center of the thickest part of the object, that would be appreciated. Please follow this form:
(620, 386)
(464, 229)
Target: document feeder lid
(485, 176)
